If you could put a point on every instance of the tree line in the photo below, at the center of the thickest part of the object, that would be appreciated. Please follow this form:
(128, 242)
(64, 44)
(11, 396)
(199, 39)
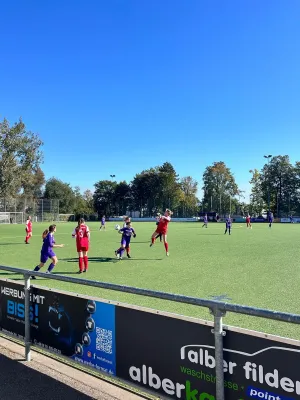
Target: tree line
(276, 185)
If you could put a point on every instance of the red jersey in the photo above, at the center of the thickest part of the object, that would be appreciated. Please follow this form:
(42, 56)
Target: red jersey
(82, 235)
(163, 223)
(28, 226)
(248, 219)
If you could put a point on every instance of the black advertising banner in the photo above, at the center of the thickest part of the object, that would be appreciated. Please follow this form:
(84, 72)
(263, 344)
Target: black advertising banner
(175, 358)
(76, 327)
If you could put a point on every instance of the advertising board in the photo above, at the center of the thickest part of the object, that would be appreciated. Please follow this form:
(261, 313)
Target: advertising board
(171, 355)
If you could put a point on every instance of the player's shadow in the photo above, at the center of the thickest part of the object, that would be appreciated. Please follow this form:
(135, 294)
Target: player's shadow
(214, 234)
(12, 244)
(91, 259)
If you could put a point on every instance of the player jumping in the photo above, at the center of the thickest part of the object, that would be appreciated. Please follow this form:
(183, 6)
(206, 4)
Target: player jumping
(228, 223)
(47, 250)
(28, 229)
(126, 232)
(159, 235)
(162, 228)
(82, 235)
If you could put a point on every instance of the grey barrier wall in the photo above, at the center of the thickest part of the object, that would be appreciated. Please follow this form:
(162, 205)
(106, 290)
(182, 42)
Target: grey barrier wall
(170, 355)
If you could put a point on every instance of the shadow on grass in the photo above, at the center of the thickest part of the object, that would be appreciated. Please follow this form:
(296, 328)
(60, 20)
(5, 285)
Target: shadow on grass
(91, 259)
(213, 234)
(110, 259)
(12, 244)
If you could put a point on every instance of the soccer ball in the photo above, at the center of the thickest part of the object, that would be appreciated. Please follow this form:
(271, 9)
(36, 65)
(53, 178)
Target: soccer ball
(117, 227)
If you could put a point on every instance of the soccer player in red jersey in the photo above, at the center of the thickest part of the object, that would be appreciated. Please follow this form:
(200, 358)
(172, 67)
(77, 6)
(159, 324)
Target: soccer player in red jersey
(28, 229)
(248, 221)
(162, 228)
(82, 235)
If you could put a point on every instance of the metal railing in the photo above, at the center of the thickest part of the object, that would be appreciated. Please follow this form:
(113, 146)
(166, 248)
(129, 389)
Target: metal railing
(218, 310)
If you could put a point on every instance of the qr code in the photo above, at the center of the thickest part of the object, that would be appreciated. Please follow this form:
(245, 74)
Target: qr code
(104, 340)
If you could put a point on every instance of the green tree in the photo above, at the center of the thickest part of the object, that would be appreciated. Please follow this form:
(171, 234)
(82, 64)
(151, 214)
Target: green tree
(33, 184)
(169, 194)
(123, 198)
(188, 201)
(83, 206)
(104, 197)
(56, 189)
(257, 203)
(279, 178)
(20, 157)
(219, 187)
(88, 197)
(156, 189)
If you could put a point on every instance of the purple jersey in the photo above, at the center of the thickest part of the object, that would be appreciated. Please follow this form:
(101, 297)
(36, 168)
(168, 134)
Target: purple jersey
(205, 219)
(127, 231)
(271, 217)
(47, 248)
(48, 243)
(103, 221)
(228, 222)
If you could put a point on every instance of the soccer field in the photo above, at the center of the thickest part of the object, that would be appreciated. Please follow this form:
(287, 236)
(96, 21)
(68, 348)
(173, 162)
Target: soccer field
(258, 267)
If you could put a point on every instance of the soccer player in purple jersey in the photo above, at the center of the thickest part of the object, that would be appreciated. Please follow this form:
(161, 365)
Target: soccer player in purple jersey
(271, 219)
(205, 220)
(228, 223)
(126, 232)
(47, 250)
(103, 222)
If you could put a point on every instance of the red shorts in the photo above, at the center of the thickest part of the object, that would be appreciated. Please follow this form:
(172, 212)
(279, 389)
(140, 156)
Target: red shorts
(27, 231)
(161, 232)
(82, 248)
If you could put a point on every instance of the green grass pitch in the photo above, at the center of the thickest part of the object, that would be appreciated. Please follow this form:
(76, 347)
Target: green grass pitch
(258, 267)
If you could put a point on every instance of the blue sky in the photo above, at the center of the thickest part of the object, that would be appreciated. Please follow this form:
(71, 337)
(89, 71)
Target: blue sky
(119, 86)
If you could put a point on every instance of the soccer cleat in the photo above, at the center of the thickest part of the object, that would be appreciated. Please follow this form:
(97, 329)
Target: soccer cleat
(84, 270)
(128, 255)
(167, 254)
(118, 256)
(151, 244)
(48, 272)
(116, 253)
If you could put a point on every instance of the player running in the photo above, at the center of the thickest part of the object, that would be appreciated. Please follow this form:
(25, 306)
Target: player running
(205, 220)
(228, 223)
(126, 232)
(82, 235)
(28, 229)
(162, 229)
(103, 223)
(248, 221)
(47, 250)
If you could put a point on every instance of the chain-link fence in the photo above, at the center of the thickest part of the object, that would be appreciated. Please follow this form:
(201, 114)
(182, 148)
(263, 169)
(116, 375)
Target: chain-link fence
(39, 209)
